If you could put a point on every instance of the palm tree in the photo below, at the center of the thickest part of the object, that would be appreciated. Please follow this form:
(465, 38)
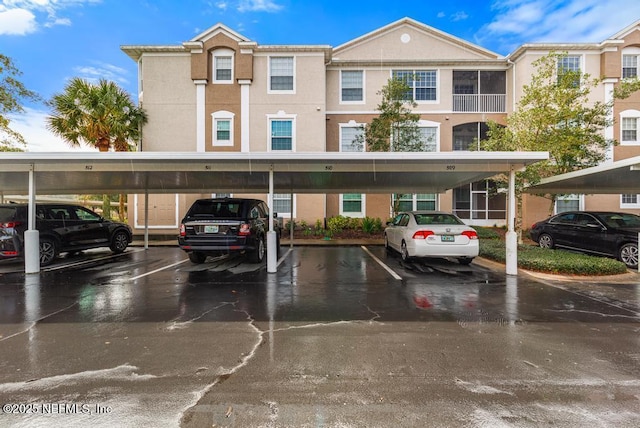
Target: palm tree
(101, 115)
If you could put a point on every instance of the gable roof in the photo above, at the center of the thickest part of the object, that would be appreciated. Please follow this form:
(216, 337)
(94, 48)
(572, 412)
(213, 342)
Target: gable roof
(421, 28)
(626, 31)
(217, 29)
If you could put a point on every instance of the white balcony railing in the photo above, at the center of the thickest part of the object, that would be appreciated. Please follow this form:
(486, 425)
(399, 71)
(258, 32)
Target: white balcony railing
(479, 103)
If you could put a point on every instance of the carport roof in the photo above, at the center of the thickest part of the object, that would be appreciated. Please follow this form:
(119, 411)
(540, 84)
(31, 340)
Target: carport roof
(324, 172)
(620, 177)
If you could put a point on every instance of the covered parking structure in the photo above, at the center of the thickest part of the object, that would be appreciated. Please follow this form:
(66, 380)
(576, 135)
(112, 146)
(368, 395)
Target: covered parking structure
(253, 172)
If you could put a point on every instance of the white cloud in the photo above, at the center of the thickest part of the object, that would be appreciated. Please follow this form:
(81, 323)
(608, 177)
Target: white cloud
(100, 70)
(459, 16)
(32, 124)
(258, 6)
(531, 21)
(21, 17)
(17, 22)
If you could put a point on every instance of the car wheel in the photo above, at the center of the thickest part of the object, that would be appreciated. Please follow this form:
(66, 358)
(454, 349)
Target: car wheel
(197, 258)
(628, 255)
(257, 255)
(404, 253)
(545, 241)
(119, 242)
(465, 260)
(48, 251)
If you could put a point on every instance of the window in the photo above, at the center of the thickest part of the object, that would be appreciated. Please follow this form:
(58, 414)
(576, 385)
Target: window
(222, 66)
(429, 137)
(630, 130)
(630, 66)
(281, 134)
(223, 69)
(281, 70)
(282, 204)
(422, 83)
(480, 203)
(352, 86)
(351, 138)
(468, 135)
(419, 201)
(569, 64)
(568, 203)
(352, 204)
(629, 201)
(222, 128)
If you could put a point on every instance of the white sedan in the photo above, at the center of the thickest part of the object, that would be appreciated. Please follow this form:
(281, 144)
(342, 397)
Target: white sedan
(431, 234)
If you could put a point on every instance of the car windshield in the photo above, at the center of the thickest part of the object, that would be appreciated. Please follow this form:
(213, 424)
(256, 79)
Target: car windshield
(7, 213)
(621, 220)
(220, 209)
(436, 219)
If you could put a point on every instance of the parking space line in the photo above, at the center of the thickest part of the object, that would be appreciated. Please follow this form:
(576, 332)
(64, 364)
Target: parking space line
(158, 270)
(89, 261)
(381, 263)
(283, 257)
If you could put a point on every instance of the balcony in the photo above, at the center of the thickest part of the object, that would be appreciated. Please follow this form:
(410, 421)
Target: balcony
(479, 103)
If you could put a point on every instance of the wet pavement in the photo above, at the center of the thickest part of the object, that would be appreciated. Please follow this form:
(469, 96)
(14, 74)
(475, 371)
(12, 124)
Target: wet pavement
(339, 337)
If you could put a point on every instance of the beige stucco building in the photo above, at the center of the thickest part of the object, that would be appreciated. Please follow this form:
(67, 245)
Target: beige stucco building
(223, 92)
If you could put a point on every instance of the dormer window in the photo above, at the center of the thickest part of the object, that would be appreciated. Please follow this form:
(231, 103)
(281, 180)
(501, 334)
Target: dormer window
(222, 66)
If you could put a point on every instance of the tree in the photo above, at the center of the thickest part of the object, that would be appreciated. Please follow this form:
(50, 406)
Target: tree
(101, 115)
(396, 128)
(555, 114)
(12, 92)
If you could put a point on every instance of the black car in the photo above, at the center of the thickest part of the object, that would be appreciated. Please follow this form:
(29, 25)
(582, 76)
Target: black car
(610, 234)
(213, 227)
(62, 228)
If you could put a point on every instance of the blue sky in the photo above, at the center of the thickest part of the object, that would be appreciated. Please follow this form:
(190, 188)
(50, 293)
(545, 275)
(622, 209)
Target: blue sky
(51, 41)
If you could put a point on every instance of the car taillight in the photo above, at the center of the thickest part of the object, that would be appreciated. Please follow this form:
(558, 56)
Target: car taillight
(422, 234)
(183, 230)
(471, 234)
(245, 229)
(10, 224)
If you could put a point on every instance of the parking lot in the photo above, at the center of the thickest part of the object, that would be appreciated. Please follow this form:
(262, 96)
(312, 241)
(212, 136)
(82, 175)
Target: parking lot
(339, 336)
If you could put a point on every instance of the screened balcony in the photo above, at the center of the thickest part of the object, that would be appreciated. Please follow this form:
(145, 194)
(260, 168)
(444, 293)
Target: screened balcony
(479, 91)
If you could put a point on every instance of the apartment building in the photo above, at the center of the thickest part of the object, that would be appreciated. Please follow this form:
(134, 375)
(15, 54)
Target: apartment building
(223, 92)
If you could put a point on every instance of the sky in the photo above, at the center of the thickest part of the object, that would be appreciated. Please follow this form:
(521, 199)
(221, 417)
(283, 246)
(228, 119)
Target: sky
(52, 41)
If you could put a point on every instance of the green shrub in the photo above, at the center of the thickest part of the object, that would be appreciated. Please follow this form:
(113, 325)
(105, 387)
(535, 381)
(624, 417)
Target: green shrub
(486, 232)
(318, 229)
(371, 225)
(290, 224)
(552, 261)
(337, 224)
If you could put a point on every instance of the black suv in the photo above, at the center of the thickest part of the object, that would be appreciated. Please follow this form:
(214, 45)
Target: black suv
(217, 226)
(62, 228)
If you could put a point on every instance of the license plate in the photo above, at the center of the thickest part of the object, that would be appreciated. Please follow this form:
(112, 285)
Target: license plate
(211, 229)
(448, 238)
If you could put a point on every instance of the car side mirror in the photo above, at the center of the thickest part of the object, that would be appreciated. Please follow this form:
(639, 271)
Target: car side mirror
(275, 215)
(594, 226)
